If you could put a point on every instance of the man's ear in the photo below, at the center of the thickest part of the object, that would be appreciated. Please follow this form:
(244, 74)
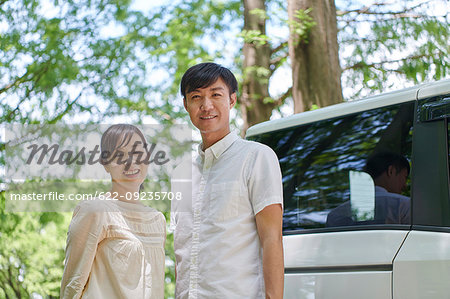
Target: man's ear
(233, 99)
(391, 170)
(184, 103)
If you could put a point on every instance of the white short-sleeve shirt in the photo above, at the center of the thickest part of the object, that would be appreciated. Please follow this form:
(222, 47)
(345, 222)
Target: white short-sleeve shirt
(217, 247)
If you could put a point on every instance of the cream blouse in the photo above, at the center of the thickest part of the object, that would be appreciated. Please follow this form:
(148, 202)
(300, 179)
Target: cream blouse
(114, 249)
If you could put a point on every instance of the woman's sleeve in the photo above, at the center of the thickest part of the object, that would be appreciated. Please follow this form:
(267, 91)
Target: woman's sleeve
(86, 230)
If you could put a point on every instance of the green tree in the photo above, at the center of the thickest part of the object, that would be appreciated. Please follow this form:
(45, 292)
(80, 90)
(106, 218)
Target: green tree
(31, 253)
(83, 58)
(381, 46)
(388, 45)
(314, 54)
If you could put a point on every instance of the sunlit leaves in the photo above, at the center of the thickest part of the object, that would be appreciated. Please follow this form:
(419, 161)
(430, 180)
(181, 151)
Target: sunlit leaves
(389, 46)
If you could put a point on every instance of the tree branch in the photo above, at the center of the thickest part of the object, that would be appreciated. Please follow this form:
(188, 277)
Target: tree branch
(361, 65)
(16, 82)
(276, 62)
(24, 78)
(37, 76)
(279, 48)
(283, 97)
(66, 110)
(366, 10)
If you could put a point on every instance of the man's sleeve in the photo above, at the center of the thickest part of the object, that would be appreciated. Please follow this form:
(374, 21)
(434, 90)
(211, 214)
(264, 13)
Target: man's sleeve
(264, 179)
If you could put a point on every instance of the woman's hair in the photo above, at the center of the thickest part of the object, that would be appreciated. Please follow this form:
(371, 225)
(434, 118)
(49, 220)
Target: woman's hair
(115, 137)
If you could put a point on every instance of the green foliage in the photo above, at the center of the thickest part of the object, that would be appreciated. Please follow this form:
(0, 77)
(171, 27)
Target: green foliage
(254, 37)
(31, 252)
(261, 13)
(301, 25)
(388, 44)
(60, 56)
(189, 32)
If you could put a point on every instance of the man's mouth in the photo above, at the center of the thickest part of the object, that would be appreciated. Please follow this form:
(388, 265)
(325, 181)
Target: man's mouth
(208, 117)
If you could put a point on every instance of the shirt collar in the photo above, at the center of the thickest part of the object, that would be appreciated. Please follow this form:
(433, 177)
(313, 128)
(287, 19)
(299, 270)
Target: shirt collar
(380, 189)
(220, 146)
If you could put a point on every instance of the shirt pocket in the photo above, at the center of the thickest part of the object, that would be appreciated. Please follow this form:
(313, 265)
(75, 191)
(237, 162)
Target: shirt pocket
(224, 201)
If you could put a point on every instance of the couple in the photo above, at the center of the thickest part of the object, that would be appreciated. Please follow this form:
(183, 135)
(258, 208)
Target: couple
(227, 236)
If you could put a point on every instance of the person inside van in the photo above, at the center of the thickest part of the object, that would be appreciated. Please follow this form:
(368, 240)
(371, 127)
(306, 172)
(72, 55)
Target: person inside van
(389, 172)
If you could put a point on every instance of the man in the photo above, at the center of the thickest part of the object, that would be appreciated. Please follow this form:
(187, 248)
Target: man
(389, 172)
(228, 234)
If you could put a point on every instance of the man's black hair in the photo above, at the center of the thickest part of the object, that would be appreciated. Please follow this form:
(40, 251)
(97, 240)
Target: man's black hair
(378, 163)
(204, 74)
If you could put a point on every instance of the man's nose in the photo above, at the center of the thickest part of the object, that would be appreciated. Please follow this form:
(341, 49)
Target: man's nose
(206, 104)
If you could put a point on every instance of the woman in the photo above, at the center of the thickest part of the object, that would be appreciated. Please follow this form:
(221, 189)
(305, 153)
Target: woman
(115, 247)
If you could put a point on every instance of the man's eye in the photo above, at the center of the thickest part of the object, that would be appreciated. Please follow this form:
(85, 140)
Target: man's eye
(217, 95)
(194, 97)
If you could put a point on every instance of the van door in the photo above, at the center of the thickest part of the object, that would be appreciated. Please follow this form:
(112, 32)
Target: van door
(344, 264)
(422, 267)
(339, 241)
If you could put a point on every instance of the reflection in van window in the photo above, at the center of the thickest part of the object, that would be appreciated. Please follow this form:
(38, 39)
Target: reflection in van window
(323, 165)
(376, 197)
(362, 196)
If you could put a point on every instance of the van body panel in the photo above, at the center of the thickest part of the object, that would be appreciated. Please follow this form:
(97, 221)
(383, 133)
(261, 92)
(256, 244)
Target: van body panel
(352, 248)
(367, 285)
(329, 265)
(422, 266)
(435, 89)
(333, 111)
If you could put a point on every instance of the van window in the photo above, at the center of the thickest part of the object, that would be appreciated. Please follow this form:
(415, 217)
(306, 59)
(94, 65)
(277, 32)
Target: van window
(323, 165)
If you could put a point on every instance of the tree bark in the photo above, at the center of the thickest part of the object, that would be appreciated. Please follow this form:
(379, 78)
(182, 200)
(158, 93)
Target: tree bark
(254, 105)
(316, 72)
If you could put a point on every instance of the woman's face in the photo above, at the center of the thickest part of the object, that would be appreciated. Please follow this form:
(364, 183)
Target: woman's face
(128, 165)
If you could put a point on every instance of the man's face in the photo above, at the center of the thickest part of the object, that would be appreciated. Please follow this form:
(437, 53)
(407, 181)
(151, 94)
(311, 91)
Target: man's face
(209, 109)
(398, 180)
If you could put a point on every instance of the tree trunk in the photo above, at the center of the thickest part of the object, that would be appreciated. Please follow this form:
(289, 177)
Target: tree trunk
(254, 103)
(316, 73)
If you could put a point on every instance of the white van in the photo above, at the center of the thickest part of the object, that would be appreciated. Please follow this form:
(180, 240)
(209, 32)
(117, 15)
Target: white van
(323, 154)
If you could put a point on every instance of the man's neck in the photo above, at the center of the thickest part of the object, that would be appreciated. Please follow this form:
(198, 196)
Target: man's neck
(209, 139)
